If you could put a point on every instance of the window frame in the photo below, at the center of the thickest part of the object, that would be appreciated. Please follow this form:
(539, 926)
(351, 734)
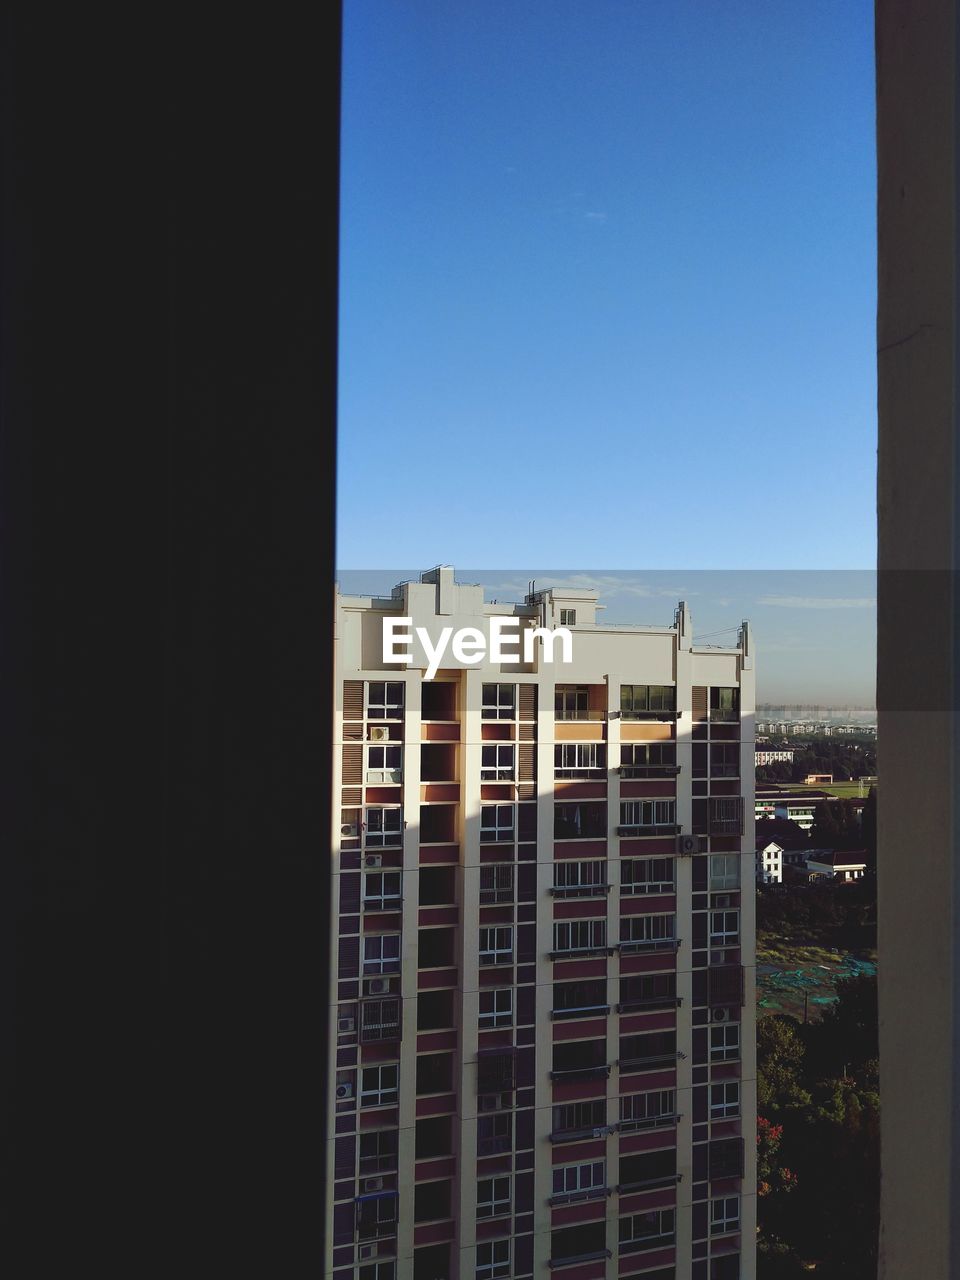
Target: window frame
(380, 838)
(726, 882)
(498, 954)
(502, 832)
(722, 1223)
(650, 1118)
(720, 1051)
(371, 707)
(639, 706)
(380, 1091)
(377, 966)
(584, 1176)
(386, 899)
(497, 771)
(579, 759)
(495, 1017)
(724, 937)
(496, 1267)
(594, 925)
(496, 1206)
(726, 1108)
(502, 888)
(655, 814)
(497, 709)
(645, 886)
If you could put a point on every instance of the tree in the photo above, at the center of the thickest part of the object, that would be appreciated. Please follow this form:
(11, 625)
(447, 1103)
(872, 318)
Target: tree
(780, 1054)
(868, 826)
(845, 1040)
(825, 830)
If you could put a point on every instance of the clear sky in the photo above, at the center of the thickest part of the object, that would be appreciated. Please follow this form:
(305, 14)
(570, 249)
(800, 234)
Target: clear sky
(608, 283)
(814, 631)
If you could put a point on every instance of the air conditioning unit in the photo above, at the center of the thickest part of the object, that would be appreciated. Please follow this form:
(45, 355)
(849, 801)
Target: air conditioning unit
(603, 1131)
(378, 986)
(349, 829)
(373, 860)
(719, 1015)
(373, 1184)
(687, 844)
(722, 900)
(344, 1091)
(345, 1026)
(379, 733)
(367, 1251)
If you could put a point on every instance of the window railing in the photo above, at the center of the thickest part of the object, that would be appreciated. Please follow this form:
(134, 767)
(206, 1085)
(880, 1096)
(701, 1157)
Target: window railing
(373, 1031)
(586, 1131)
(581, 771)
(724, 715)
(580, 713)
(726, 826)
(633, 887)
(597, 949)
(650, 1122)
(670, 714)
(386, 1163)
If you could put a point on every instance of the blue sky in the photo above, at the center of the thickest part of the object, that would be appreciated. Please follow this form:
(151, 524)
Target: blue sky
(608, 288)
(814, 631)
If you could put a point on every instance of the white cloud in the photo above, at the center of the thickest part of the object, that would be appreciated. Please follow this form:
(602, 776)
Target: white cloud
(819, 602)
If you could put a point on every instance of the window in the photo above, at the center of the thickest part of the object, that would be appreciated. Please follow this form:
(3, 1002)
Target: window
(437, 886)
(724, 928)
(648, 814)
(385, 758)
(385, 700)
(381, 953)
(434, 1073)
(498, 702)
(725, 984)
(650, 1047)
(724, 1215)
(376, 1214)
(496, 945)
(647, 1110)
(568, 617)
(571, 702)
(724, 871)
(579, 1117)
(378, 1271)
(647, 875)
(725, 760)
(383, 828)
(725, 704)
(433, 1137)
(584, 821)
(574, 1178)
(725, 1158)
(726, 815)
(649, 990)
(726, 1267)
(431, 1201)
(654, 932)
(381, 890)
(570, 998)
(496, 762)
(587, 1240)
(435, 1010)
(496, 823)
(579, 935)
(579, 759)
(379, 1085)
(646, 1228)
(647, 701)
(378, 1151)
(493, 1259)
(380, 1019)
(588, 1057)
(496, 1007)
(493, 1197)
(579, 879)
(650, 1168)
(494, 1074)
(435, 948)
(724, 1099)
(725, 1042)
(494, 1133)
(496, 883)
(648, 759)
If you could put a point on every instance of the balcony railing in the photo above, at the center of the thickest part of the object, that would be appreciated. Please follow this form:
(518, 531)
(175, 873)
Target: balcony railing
(581, 1073)
(580, 713)
(648, 886)
(649, 715)
(579, 890)
(649, 1122)
(600, 949)
(577, 1258)
(648, 1184)
(583, 1011)
(571, 1197)
(578, 1135)
(652, 1002)
(648, 829)
(648, 944)
(648, 770)
(724, 715)
(648, 1242)
(651, 1060)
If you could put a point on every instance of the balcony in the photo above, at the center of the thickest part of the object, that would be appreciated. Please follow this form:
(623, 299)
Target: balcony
(587, 715)
(579, 1135)
(579, 952)
(650, 1122)
(653, 1002)
(579, 890)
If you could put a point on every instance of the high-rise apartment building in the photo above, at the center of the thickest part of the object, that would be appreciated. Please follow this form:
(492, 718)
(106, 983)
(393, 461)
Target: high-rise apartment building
(542, 1029)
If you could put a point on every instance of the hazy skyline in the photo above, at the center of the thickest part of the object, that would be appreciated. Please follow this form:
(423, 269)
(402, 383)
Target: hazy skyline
(814, 631)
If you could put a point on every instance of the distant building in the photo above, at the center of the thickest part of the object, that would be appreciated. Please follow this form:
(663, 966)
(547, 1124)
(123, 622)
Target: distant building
(842, 865)
(769, 754)
(770, 863)
(814, 778)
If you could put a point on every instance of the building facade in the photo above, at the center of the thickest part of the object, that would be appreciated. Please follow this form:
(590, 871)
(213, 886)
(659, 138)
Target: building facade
(542, 1026)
